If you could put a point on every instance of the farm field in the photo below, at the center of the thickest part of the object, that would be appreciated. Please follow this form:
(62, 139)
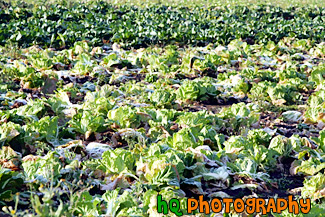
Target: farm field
(105, 105)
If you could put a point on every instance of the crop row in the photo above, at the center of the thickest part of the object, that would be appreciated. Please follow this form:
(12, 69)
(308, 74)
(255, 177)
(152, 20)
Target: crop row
(59, 26)
(94, 130)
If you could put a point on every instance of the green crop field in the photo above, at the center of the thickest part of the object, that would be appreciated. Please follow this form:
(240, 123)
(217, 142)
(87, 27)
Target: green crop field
(104, 105)
(181, 3)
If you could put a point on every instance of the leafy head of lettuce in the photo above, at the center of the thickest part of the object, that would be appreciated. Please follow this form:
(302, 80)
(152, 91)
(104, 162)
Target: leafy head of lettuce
(34, 109)
(314, 187)
(318, 75)
(190, 90)
(86, 204)
(119, 205)
(84, 65)
(117, 161)
(46, 129)
(8, 131)
(185, 138)
(311, 166)
(281, 145)
(98, 105)
(198, 89)
(283, 94)
(239, 116)
(235, 144)
(263, 157)
(44, 170)
(162, 97)
(315, 111)
(259, 90)
(125, 117)
(80, 47)
(259, 137)
(246, 165)
(200, 118)
(85, 123)
(163, 170)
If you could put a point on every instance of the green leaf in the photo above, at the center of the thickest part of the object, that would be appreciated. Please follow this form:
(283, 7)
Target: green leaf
(117, 161)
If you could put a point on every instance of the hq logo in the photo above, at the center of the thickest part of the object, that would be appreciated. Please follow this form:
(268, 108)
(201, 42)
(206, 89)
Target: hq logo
(249, 206)
(174, 206)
